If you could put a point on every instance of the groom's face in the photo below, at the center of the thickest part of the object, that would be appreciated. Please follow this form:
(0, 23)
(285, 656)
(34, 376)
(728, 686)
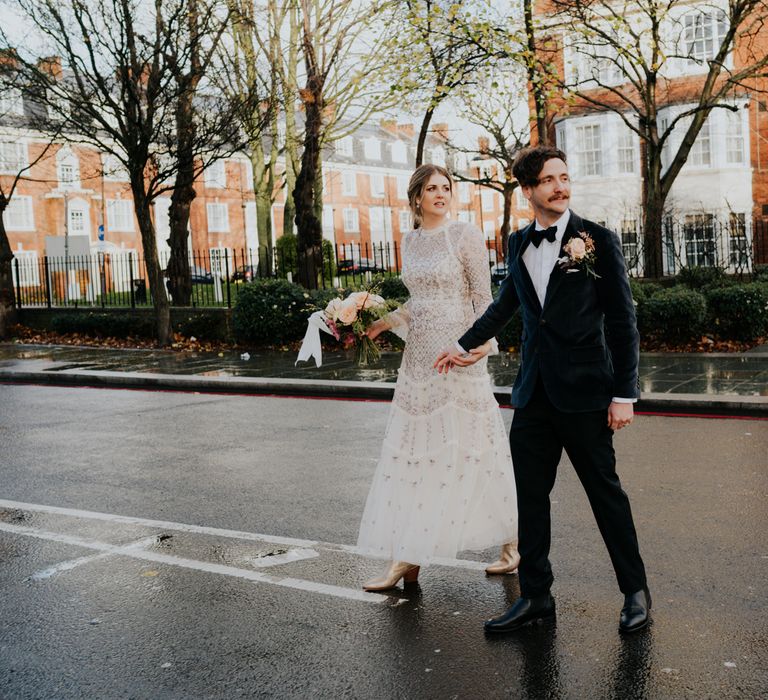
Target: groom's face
(552, 194)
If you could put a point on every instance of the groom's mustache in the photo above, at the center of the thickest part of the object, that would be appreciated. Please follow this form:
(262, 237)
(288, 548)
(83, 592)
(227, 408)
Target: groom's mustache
(557, 197)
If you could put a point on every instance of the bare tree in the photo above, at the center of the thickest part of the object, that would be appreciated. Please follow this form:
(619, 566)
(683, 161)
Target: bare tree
(498, 107)
(340, 56)
(625, 57)
(203, 128)
(116, 93)
(15, 168)
(437, 47)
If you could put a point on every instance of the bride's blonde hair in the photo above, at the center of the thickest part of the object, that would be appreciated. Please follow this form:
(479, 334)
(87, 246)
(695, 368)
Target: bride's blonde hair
(418, 184)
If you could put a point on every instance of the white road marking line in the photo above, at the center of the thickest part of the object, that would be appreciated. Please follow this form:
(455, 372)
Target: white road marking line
(215, 531)
(72, 563)
(161, 524)
(290, 556)
(209, 567)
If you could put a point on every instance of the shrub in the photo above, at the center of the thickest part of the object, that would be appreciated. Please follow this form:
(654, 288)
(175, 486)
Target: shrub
(99, 324)
(738, 312)
(643, 290)
(288, 255)
(271, 311)
(675, 314)
(760, 273)
(392, 288)
(700, 277)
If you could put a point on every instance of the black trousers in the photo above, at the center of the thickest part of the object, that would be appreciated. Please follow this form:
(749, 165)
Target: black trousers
(538, 436)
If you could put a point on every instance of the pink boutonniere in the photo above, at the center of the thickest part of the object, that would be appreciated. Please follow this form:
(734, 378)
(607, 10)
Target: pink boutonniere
(579, 255)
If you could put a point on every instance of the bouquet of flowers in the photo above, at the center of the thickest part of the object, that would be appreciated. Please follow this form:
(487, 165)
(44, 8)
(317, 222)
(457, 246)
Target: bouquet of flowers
(346, 319)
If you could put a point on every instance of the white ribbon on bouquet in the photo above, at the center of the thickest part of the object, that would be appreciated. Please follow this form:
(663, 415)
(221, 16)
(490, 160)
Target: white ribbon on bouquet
(311, 346)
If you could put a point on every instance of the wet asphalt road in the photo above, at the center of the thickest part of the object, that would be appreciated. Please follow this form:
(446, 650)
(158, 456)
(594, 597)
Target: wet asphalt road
(98, 606)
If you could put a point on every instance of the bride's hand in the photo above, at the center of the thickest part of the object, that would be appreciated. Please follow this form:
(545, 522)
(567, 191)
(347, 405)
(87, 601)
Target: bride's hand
(376, 328)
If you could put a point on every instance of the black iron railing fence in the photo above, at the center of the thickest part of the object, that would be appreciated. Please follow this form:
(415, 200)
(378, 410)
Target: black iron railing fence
(119, 278)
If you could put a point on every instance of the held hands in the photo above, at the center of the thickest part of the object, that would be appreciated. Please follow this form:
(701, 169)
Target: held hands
(451, 357)
(620, 415)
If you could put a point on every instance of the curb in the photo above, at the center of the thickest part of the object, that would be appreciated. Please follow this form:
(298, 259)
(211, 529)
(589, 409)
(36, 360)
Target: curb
(688, 404)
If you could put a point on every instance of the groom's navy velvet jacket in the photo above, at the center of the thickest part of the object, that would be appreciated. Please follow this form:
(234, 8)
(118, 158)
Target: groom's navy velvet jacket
(584, 341)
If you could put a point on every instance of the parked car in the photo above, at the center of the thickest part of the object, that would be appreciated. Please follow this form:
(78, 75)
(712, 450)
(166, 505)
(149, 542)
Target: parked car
(357, 265)
(199, 275)
(244, 273)
(498, 272)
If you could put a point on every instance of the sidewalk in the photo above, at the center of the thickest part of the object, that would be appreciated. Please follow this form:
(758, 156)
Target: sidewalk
(722, 384)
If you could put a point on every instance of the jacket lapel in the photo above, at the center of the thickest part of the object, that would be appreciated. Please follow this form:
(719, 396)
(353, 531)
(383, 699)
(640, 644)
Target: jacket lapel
(520, 271)
(575, 224)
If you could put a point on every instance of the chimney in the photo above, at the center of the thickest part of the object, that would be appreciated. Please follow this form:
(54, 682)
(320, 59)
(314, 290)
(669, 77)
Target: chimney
(389, 125)
(407, 130)
(52, 66)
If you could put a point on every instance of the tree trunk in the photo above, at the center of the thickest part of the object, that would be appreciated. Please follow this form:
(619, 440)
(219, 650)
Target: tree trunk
(423, 131)
(179, 277)
(155, 274)
(653, 225)
(7, 293)
(310, 233)
(319, 188)
(264, 228)
(509, 190)
(534, 77)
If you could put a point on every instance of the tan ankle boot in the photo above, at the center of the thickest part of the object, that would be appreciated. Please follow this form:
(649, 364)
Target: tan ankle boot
(397, 570)
(508, 560)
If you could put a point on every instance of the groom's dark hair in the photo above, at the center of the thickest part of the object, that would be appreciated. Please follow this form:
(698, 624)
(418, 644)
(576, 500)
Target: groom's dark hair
(529, 162)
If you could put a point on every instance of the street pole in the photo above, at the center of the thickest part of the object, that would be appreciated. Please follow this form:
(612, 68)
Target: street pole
(66, 247)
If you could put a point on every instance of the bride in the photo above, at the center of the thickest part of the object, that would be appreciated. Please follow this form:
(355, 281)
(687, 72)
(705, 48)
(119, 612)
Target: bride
(444, 481)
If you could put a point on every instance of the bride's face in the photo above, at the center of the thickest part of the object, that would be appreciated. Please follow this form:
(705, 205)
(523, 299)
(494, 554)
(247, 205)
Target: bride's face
(436, 197)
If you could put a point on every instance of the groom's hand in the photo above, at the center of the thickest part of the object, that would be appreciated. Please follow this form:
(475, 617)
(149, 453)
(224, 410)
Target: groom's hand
(620, 415)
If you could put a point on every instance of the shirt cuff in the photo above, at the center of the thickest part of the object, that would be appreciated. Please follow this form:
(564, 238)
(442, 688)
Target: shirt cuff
(461, 349)
(617, 399)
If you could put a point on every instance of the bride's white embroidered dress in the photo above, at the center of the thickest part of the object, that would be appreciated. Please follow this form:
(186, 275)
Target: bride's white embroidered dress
(444, 482)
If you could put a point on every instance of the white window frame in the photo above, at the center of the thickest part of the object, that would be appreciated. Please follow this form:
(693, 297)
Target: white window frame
(733, 123)
(438, 156)
(11, 101)
(402, 187)
(465, 192)
(700, 155)
(113, 169)
(120, 215)
(405, 220)
(399, 151)
(520, 199)
(349, 183)
(13, 157)
(217, 214)
(487, 200)
(372, 148)
(489, 230)
(703, 32)
(626, 151)
(19, 215)
(590, 152)
(344, 146)
(351, 220)
(78, 218)
(68, 169)
(216, 175)
(378, 185)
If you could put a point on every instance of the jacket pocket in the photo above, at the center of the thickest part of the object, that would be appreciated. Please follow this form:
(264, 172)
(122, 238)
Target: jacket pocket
(587, 353)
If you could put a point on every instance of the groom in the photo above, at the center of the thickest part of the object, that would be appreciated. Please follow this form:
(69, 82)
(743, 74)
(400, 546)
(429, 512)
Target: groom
(576, 384)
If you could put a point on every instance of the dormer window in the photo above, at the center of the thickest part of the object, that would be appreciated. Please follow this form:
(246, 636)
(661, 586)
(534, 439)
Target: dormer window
(68, 169)
(11, 102)
(399, 152)
(372, 149)
(344, 146)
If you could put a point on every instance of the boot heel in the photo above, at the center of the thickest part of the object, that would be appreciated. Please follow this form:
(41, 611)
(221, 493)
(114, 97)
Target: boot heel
(412, 575)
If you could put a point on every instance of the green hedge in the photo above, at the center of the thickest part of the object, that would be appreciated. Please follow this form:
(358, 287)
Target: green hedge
(112, 325)
(271, 311)
(287, 256)
(738, 312)
(675, 315)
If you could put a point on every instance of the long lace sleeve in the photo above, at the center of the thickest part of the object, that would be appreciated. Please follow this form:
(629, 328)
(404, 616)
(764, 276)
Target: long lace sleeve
(399, 320)
(474, 256)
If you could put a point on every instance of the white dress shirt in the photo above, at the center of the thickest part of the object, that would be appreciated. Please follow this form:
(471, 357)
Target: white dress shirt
(541, 261)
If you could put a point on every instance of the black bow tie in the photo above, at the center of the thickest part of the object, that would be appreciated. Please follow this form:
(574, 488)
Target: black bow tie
(538, 236)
